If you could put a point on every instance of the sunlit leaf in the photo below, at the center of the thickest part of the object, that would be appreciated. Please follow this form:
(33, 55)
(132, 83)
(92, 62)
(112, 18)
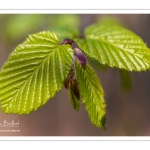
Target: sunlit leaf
(34, 73)
(116, 47)
(92, 94)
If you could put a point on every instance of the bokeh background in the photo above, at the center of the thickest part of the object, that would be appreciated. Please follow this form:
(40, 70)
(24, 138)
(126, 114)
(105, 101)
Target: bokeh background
(128, 104)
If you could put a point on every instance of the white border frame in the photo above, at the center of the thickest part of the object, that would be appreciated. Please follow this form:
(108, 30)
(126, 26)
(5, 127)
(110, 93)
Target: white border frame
(74, 7)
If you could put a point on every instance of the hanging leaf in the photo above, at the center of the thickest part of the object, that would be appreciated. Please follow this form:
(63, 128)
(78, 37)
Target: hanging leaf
(92, 94)
(34, 73)
(116, 47)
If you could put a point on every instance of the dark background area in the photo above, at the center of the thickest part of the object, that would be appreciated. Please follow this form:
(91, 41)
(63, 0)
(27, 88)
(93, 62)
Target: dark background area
(128, 113)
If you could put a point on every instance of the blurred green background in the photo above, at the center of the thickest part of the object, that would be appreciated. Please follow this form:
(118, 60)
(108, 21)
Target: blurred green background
(127, 95)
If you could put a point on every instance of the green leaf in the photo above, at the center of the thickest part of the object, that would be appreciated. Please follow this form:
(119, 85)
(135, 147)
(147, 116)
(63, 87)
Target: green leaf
(116, 47)
(92, 94)
(34, 73)
(75, 103)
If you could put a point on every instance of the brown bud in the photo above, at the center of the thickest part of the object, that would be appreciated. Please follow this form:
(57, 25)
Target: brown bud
(77, 52)
(75, 89)
(69, 77)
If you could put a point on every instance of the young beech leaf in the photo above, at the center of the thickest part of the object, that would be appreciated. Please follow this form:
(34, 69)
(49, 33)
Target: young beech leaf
(115, 46)
(92, 94)
(34, 73)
